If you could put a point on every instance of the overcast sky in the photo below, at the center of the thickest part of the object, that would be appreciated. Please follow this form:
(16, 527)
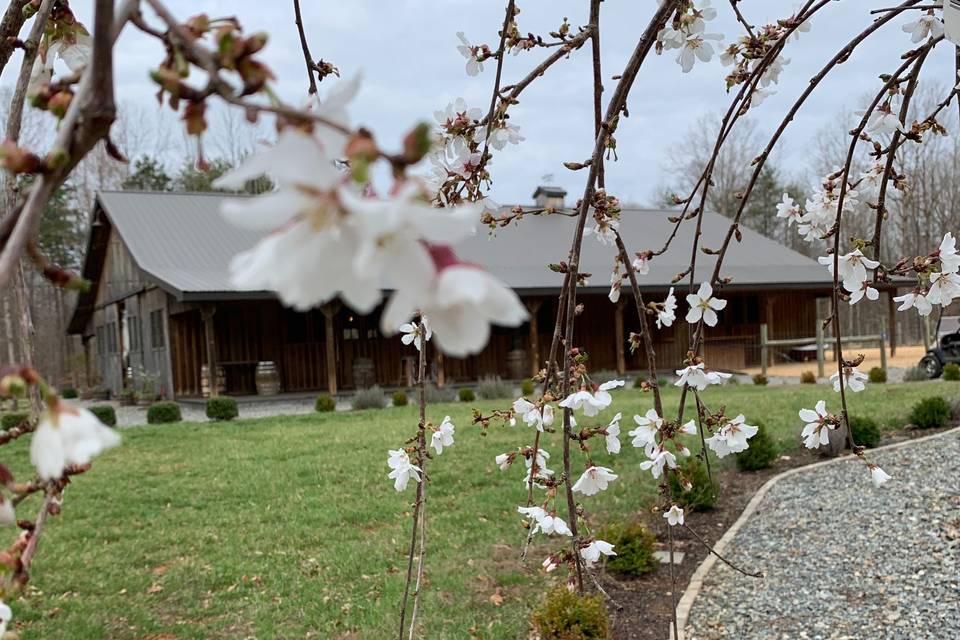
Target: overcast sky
(406, 50)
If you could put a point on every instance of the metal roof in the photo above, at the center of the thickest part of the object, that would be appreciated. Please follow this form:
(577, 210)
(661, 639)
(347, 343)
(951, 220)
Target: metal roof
(181, 242)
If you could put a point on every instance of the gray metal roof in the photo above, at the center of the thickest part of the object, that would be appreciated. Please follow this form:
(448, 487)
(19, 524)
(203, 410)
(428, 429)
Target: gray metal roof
(182, 242)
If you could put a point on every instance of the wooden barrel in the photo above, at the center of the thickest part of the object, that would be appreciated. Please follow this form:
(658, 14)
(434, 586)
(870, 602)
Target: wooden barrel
(518, 364)
(364, 374)
(267, 378)
(205, 381)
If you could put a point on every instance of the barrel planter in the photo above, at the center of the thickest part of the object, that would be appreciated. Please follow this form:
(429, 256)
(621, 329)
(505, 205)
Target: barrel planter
(518, 364)
(205, 381)
(364, 374)
(267, 378)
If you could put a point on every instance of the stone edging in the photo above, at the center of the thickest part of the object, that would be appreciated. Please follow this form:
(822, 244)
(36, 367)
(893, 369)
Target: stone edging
(696, 580)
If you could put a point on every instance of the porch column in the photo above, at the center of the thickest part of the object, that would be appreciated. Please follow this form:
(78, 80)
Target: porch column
(87, 370)
(892, 321)
(533, 306)
(619, 337)
(329, 312)
(207, 312)
(768, 302)
(441, 376)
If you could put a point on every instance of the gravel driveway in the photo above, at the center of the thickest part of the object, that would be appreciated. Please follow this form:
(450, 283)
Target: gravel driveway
(843, 559)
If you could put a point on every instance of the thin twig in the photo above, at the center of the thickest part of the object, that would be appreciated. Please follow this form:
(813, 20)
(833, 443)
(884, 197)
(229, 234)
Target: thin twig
(757, 574)
(306, 48)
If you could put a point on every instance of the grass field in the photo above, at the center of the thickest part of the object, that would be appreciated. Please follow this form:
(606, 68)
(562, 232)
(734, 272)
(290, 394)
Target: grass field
(289, 527)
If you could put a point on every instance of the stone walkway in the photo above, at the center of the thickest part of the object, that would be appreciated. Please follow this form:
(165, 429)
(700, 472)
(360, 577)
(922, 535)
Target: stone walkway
(844, 560)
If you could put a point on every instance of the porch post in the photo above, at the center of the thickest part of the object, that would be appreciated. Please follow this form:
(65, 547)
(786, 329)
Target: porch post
(441, 376)
(892, 321)
(329, 312)
(768, 320)
(533, 306)
(619, 337)
(207, 312)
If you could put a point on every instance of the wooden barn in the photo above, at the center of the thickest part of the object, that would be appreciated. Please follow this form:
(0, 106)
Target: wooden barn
(162, 308)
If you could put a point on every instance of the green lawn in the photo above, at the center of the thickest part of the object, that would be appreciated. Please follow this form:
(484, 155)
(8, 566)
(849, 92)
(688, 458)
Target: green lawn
(289, 527)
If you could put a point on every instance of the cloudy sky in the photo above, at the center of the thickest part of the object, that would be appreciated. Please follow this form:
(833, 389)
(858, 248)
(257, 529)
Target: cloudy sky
(406, 51)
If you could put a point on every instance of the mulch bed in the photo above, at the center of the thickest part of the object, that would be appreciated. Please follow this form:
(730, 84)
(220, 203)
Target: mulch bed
(641, 607)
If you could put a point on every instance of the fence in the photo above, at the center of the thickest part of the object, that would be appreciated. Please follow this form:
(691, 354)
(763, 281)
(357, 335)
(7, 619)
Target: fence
(822, 344)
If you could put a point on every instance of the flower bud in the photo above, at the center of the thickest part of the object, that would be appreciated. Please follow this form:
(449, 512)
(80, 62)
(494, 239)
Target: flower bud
(59, 103)
(417, 143)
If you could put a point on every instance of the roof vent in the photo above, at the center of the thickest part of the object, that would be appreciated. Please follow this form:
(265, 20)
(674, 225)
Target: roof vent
(549, 197)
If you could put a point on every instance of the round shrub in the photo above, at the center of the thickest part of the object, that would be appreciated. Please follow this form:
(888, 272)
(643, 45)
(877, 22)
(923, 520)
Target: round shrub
(164, 413)
(951, 372)
(634, 546)
(930, 413)
(565, 615)
(436, 395)
(222, 408)
(526, 387)
(12, 420)
(760, 380)
(466, 395)
(761, 453)
(69, 393)
(865, 431)
(702, 494)
(372, 398)
(493, 388)
(877, 375)
(399, 399)
(808, 377)
(325, 403)
(105, 413)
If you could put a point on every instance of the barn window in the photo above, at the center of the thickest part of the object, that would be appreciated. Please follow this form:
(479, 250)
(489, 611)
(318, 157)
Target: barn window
(351, 333)
(156, 329)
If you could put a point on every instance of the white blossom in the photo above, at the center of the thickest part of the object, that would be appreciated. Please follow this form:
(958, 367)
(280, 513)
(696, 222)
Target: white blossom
(852, 379)
(503, 461)
(816, 431)
(949, 258)
(416, 333)
(865, 290)
(696, 376)
(443, 436)
(594, 480)
(690, 428)
(926, 25)
(641, 266)
(732, 437)
(647, 428)
(502, 134)
(674, 516)
(659, 457)
(944, 287)
(665, 313)
(402, 470)
(591, 403)
(470, 52)
(532, 414)
(550, 564)
(67, 435)
(704, 305)
(916, 299)
(457, 115)
(696, 46)
(612, 439)
(789, 210)
(592, 552)
(605, 230)
(878, 475)
(852, 268)
(546, 523)
(883, 121)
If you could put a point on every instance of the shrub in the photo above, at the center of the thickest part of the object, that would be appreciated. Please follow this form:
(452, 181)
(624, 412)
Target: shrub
(634, 546)
(68, 393)
(493, 388)
(808, 377)
(865, 431)
(915, 374)
(324, 403)
(105, 413)
(951, 371)
(222, 408)
(930, 413)
(466, 395)
(372, 398)
(663, 382)
(565, 615)
(526, 387)
(760, 380)
(702, 494)
(761, 453)
(436, 395)
(164, 413)
(877, 375)
(399, 399)
(639, 381)
(12, 420)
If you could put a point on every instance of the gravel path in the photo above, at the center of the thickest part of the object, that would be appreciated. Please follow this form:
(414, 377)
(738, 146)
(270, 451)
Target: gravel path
(843, 560)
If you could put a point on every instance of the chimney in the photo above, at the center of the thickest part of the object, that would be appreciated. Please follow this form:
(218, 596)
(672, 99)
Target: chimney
(546, 196)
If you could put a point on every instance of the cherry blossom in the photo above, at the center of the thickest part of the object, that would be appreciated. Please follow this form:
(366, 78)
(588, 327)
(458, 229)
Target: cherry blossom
(947, 253)
(592, 552)
(674, 516)
(550, 563)
(704, 306)
(659, 457)
(641, 266)
(732, 437)
(852, 268)
(532, 414)
(471, 53)
(463, 161)
(546, 523)
(542, 457)
(503, 461)
(501, 135)
(944, 287)
(696, 47)
(916, 299)
(591, 403)
(594, 480)
(789, 210)
(402, 469)
(461, 300)
(612, 439)
(665, 312)
(865, 290)
(616, 281)
(883, 121)
(416, 333)
(818, 421)
(690, 428)
(696, 376)
(852, 379)
(878, 475)
(647, 428)
(927, 25)
(457, 116)
(67, 435)
(605, 230)
(443, 436)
